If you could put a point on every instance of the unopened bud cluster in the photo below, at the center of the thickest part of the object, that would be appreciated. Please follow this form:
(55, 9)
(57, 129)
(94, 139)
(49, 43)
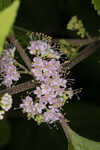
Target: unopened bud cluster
(76, 25)
(5, 104)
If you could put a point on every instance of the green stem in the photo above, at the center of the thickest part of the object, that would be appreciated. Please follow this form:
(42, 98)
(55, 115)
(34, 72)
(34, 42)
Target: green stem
(21, 29)
(25, 70)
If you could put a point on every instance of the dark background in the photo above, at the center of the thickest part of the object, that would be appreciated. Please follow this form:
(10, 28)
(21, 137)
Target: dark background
(51, 17)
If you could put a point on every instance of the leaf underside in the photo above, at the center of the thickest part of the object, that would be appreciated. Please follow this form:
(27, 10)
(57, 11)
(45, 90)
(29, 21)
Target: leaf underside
(7, 18)
(81, 143)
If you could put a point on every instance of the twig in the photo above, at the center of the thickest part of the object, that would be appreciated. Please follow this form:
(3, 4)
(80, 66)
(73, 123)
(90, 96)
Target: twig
(21, 51)
(90, 49)
(79, 42)
(18, 88)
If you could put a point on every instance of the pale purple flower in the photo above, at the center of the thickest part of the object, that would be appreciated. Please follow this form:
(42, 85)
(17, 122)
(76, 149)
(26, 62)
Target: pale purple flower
(44, 69)
(7, 81)
(11, 74)
(8, 69)
(37, 68)
(38, 108)
(51, 115)
(43, 100)
(27, 104)
(43, 48)
(38, 46)
(38, 92)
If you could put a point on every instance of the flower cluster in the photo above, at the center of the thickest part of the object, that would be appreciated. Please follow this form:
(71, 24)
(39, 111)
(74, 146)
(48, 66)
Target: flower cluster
(49, 95)
(5, 104)
(7, 68)
(42, 48)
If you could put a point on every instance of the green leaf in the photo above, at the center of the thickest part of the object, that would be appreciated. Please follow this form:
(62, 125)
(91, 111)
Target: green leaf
(81, 143)
(70, 146)
(4, 4)
(96, 4)
(7, 17)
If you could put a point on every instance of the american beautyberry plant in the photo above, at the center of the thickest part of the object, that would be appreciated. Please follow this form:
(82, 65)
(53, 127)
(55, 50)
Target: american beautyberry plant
(52, 89)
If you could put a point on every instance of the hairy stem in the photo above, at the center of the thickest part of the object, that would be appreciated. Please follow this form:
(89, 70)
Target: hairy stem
(90, 49)
(80, 42)
(19, 88)
(21, 51)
